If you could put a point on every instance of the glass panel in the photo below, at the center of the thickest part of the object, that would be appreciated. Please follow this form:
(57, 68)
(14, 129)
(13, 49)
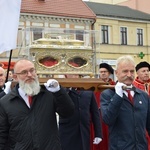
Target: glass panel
(48, 61)
(77, 62)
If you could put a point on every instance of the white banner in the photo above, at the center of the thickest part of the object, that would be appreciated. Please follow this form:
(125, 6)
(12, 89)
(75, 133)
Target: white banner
(9, 21)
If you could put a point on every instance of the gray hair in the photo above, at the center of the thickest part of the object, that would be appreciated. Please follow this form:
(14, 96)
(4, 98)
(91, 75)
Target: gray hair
(126, 59)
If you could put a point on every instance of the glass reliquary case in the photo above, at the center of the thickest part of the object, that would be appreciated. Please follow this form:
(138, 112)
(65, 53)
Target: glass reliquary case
(62, 51)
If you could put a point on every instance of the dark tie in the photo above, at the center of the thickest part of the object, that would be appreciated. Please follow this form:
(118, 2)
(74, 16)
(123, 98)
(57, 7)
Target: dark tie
(30, 100)
(130, 96)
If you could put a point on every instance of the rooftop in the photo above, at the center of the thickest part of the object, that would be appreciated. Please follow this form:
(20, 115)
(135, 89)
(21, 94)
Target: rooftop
(66, 8)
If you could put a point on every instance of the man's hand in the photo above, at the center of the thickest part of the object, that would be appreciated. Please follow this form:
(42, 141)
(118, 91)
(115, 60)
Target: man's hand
(7, 87)
(97, 140)
(52, 85)
(118, 88)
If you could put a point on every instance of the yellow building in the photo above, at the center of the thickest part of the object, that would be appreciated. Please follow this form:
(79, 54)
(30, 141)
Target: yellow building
(123, 31)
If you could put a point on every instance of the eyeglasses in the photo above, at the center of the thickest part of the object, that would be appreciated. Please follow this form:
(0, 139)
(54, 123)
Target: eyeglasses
(103, 71)
(25, 72)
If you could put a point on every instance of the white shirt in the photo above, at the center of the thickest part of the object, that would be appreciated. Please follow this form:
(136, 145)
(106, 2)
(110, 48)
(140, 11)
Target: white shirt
(24, 96)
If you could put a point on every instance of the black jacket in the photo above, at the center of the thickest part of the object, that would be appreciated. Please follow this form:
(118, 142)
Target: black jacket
(35, 128)
(127, 122)
(75, 130)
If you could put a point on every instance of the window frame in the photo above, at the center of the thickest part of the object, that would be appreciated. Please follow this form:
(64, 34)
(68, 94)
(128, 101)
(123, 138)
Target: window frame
(123, 36)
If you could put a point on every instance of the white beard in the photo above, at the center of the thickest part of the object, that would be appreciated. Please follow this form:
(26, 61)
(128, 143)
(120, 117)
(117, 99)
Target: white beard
(30, 89)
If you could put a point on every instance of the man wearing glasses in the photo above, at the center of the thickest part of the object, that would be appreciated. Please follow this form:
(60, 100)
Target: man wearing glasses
(28, 112)
(105, 70)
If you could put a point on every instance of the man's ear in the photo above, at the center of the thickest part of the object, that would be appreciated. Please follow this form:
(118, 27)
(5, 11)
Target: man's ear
(115, 71)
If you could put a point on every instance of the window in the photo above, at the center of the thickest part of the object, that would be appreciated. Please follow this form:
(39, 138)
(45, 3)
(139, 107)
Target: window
(140, 37)
(104, 32)
(123, 32)
(79, 35)
(37, 34)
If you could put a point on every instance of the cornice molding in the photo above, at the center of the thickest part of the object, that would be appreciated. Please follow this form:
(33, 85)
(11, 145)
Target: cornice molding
(56, 19)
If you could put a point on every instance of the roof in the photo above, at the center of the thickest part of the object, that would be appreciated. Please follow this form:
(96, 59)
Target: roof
(117, 11)
(65, 8)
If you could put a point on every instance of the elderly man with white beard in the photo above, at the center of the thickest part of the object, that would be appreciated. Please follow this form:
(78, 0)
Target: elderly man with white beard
(28, 112)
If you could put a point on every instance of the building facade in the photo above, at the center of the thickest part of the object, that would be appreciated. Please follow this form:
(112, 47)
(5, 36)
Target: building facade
(41, 14)
(123, 31)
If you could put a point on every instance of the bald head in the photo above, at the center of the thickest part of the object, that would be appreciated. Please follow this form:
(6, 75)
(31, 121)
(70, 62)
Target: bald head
(22, 63)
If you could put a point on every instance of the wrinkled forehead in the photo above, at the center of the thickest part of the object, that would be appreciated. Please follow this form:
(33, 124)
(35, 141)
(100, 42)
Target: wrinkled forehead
(23, 65)
(125, 63)
(143, 69)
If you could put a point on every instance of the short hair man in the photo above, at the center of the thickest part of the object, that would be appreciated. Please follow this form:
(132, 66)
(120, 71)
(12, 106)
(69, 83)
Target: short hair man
(4, 87)
(127, 113)
(32, 124)
(2, 79)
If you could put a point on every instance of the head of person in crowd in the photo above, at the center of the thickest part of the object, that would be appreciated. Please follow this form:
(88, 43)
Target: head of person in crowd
(125, 69)
(2, 77)
(142, 70)
(105, 70)
(25, 74)
(10, 75)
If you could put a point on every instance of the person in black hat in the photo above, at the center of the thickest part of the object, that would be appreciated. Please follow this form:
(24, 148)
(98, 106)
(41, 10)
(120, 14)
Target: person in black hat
(142, 80)
(105, 71)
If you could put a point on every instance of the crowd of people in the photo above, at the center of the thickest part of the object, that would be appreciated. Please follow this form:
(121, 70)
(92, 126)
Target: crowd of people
(115, 119)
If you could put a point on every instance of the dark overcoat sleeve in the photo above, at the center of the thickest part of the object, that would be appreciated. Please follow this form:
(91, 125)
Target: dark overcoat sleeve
(110, 106)
(2, 94)
(63, 103)
(4, 128)
(148, 118)
(96, 117)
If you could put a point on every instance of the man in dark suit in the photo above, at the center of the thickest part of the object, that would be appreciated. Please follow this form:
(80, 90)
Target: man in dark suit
(105, 71)
(2, 79)
(126, 110)
(32, 124)
(4, 87)
(75, 131)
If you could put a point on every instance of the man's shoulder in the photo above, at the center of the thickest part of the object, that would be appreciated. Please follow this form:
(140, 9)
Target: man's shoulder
(108, 91)
(7, 97)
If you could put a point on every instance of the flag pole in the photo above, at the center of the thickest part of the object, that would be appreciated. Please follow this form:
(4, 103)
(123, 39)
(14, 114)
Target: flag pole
(9, 64)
